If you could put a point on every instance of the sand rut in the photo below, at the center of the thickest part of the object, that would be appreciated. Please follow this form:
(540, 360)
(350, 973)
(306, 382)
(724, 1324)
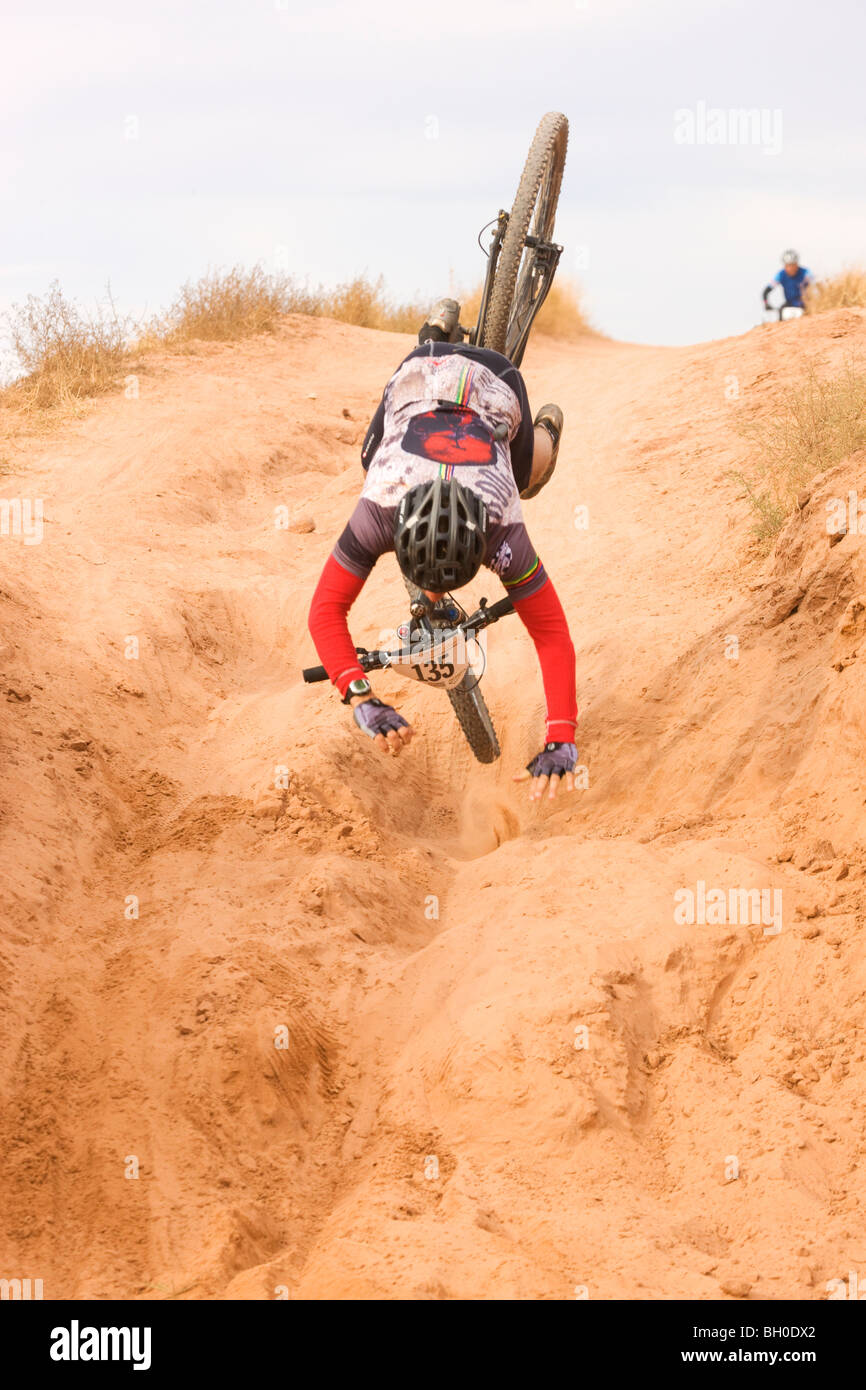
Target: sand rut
(509, 1068)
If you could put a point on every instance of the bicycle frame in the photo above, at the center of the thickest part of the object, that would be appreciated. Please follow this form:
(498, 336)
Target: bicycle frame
(487, 289)
(547, 254)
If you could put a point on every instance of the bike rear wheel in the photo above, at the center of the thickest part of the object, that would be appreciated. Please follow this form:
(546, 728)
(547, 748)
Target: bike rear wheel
(521, 280)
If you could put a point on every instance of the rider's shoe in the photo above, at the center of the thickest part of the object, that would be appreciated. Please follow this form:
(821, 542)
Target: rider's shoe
(550, 418)
(443, 323)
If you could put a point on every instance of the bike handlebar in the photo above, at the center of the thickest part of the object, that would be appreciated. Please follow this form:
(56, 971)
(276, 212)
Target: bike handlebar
(492, 614)
(376, 661)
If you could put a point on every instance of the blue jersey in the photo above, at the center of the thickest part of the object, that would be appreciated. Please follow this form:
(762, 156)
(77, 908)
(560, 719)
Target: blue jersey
(793, 285)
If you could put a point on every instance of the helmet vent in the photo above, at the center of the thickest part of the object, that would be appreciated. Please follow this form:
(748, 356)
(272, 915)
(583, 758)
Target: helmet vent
(440, 534)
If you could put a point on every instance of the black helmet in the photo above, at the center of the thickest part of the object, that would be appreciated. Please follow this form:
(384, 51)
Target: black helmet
(440, 535)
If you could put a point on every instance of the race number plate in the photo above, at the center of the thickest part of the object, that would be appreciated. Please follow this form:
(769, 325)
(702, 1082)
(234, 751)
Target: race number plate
(442, 664)
(445, 674)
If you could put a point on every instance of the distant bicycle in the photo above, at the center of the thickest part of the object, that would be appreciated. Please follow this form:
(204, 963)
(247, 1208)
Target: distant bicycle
(791, 282)
(782, 312)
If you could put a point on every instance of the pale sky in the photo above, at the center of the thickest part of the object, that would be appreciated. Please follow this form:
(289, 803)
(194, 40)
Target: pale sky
(142, 144)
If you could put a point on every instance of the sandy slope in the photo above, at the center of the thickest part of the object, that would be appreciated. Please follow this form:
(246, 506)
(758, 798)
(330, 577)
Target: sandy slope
(430, 1130)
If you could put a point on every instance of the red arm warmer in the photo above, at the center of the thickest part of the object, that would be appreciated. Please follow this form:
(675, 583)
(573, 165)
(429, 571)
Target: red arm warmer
(546, 623)
(335, 593)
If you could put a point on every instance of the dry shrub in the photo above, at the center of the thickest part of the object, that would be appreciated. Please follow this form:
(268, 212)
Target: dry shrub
(224, 305)
(847, 290)
(561, 315)
(231, 304)
(363, 302)
(470, 303)
(64, 354)
(816, 423)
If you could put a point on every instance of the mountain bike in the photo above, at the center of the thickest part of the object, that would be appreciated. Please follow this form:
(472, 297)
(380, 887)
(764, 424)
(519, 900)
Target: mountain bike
(439, 645)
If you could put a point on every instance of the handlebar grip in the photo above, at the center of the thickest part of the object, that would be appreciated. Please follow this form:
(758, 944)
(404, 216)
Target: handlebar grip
(500, 608)
(370, 661)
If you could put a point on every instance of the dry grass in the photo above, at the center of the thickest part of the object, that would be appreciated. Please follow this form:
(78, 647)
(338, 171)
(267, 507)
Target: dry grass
(364, 302)
(817, 423)
(846, 290)
(65, 355)
(562, 314)
(225, 305)
(237, 303)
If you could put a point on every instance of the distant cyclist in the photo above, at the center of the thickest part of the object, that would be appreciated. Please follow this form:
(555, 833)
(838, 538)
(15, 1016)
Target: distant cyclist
(794, 279)
(448, 456)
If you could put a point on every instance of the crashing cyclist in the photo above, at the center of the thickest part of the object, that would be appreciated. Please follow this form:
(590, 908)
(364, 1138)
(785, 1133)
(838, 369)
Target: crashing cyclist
(449, 454)
(794, 279)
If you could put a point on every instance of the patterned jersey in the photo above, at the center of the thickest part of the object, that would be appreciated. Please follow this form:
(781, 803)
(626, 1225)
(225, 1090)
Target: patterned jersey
(449, 412)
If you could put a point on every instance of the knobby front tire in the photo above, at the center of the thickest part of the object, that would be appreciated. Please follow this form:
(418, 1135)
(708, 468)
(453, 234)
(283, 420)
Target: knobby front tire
(470, 709)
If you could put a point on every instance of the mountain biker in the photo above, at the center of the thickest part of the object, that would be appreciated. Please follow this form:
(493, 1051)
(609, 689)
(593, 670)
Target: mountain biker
(793, 277)
(449, 454)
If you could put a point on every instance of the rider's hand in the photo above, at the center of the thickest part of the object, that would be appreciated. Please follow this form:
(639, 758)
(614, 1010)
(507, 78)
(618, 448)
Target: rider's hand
(388, 729)
(556, 762)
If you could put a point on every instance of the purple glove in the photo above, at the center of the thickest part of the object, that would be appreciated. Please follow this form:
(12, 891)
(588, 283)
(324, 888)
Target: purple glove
(553, 760)
(374, 717)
